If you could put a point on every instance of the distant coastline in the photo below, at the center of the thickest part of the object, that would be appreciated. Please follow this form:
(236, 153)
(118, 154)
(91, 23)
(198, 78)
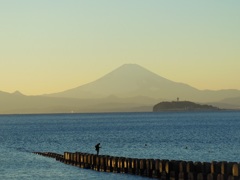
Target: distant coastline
(182, 106)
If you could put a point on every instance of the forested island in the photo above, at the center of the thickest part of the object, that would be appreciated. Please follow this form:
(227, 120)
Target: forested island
(182, 106)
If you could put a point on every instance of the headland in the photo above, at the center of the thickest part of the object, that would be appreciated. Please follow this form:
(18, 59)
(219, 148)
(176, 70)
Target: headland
(182, 106)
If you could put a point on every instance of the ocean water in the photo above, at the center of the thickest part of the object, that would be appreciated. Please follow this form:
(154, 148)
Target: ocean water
(189, 136)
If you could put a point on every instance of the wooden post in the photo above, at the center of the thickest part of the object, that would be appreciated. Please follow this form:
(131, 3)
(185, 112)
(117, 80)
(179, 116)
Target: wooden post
(164, 166)
(120, 164)
(207, 167)
(142, 167)
(97, 163)
(235, 170)
(215, 167)
(190, 168)
(102, 163)
(89, 160)
(66, 157)
(150, 167)
(126, 164)
(115, 164)
(85, 161)
(156, 172)
(182, 170)
(132, 166)
(173, 169)
(93, 160)
(77, 159)
(109, 164)
(72, 158)
(137, 166)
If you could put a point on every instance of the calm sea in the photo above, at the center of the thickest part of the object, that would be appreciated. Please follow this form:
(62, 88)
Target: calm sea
(198, 136)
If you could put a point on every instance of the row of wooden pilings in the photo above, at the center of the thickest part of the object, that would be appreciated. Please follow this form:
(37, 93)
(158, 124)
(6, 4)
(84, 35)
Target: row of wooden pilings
(152, 168)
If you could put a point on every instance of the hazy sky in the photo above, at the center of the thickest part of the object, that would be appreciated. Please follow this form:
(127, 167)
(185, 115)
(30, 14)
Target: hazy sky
(52, 45)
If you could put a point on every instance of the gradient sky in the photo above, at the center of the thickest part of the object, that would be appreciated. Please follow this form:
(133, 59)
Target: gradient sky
(52, 45)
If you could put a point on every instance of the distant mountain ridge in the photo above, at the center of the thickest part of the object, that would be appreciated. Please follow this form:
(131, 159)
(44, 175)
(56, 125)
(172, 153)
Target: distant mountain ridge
(121, 82)
(128, 88)
(11, 103)
(131, 80)
(126, 81)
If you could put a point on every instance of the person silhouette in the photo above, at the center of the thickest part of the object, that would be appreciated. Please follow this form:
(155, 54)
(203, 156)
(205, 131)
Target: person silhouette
(97, 147)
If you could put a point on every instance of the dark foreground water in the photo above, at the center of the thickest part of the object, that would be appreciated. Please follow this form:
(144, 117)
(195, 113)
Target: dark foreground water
(204, 136)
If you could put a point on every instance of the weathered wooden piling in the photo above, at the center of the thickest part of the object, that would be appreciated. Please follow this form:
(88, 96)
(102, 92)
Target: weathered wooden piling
(125, 165)
(109, 164)
(115, 164)
(132, 166)
(153, 168)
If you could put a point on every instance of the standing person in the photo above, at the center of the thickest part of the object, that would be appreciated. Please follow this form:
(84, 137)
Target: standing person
(97, 147)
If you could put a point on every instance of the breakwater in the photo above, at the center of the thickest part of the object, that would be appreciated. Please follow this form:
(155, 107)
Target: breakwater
(152, 168)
